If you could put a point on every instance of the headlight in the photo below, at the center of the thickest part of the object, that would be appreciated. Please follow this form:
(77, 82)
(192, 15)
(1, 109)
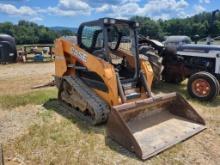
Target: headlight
(112, 21)
(106, 21)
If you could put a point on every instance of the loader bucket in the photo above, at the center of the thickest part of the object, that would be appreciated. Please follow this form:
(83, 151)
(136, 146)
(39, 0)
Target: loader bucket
(149, 126)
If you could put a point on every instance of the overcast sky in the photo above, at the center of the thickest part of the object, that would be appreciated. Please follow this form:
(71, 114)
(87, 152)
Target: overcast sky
(71, 13)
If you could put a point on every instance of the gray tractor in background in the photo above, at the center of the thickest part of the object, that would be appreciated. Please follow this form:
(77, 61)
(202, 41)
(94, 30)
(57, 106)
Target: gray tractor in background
(200, 63)
(181, 59)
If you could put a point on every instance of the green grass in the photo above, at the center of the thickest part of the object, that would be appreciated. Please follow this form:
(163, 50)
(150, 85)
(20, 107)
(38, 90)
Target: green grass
(61, 138)
(69, 141)
(182, 90)
(59, 143)
(36, 98)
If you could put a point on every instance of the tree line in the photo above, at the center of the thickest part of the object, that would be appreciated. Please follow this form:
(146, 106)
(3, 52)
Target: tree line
(200, 24)
(26, 32)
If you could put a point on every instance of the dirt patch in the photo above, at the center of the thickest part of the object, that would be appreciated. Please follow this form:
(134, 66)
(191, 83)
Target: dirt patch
(19, 78)
(16, 122)
(17, 70)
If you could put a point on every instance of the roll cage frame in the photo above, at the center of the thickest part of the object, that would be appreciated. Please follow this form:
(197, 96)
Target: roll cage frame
(105, 23)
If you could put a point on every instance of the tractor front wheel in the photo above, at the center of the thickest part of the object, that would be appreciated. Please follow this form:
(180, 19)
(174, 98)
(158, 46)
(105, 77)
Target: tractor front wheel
(203, 86)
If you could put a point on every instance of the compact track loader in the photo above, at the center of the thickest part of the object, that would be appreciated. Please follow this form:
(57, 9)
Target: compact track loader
(103, 78)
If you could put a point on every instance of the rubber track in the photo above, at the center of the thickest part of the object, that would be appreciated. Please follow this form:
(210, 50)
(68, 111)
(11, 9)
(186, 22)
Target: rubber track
(99, 107)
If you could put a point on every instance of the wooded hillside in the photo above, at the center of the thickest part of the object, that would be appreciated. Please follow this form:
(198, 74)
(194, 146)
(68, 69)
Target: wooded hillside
(196, 25)
(30, 33)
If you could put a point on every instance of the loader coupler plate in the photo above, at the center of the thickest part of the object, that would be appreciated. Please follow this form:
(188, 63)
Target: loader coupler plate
(147, 129)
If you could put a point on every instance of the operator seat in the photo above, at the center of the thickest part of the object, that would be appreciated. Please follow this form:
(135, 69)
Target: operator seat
(100, 53)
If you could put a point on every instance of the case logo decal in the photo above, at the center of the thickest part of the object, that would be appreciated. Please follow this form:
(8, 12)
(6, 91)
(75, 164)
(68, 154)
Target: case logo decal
(80, 55)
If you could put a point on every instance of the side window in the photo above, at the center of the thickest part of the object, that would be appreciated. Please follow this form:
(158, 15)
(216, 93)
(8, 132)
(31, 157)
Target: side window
(88, 34)
(99, 41)
(113, 36)
(126, 39)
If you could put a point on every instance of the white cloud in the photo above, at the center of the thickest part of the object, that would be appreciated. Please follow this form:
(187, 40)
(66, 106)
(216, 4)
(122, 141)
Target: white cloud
(63, 8)
(14, 11)
(155, 9)
(129, 1)
(24, 12)
(199, 9)
(164, 5)
(70, 8)
(103, 8)
(205, 1)
(125, 10)
(181, 4)
(152, 8)
(78, 5)
(58, 11)
(183, 14)
(36, 19)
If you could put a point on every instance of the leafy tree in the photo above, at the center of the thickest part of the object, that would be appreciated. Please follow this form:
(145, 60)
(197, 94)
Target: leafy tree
(199, 24)
(26, 32)
(65, 32)
(149, 27)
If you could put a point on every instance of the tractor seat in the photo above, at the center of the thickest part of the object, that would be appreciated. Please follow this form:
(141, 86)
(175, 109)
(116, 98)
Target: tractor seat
(99, 53)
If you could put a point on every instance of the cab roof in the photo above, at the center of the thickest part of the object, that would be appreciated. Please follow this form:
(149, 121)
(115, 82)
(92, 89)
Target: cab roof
(108, 20)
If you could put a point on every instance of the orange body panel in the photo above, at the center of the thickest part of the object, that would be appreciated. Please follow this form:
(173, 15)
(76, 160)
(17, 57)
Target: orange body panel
(60, 61)
(68, 53)
(148, 71)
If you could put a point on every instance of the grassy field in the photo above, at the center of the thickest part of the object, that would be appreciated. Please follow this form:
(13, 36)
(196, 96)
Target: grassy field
(35, 128)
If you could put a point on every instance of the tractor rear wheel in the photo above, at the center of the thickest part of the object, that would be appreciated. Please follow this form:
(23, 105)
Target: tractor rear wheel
(203, 86)
(155, 61)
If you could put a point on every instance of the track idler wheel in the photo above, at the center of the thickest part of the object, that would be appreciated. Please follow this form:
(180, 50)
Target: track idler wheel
(84, 103)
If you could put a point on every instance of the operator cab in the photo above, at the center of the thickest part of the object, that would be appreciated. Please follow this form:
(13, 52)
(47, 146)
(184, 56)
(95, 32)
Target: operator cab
(114, 41)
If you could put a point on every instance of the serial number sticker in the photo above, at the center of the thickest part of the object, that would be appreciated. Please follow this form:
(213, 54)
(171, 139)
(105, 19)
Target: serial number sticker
(82, 56)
